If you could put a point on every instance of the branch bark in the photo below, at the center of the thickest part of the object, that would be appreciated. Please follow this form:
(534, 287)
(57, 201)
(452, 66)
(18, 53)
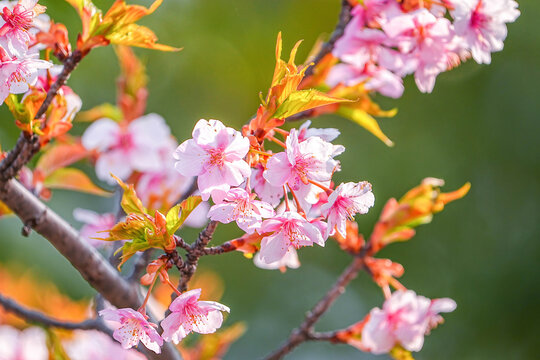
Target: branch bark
(33, 316)
(90, 264)
(305, 331)
(344, 19)
(28, 144)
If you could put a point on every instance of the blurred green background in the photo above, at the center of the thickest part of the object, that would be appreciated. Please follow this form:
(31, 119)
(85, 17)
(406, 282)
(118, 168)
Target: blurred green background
(481, 124)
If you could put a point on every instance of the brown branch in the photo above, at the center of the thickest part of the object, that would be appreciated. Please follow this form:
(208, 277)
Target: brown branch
(305, 331)
(28, 144)
(33, 316)
(193, 255)
(344, 19)
(90, 264)
(221, 249)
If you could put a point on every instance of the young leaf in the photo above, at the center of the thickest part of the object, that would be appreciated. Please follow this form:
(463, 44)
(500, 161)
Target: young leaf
(130, 202)
(60, 155)
(178, 214)
(365, 120)
(303, 100)
(73, 179)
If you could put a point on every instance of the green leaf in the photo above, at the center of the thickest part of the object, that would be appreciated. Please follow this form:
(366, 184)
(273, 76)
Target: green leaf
(303, 100)
(178, 214)
(365, 120)
(130, 202)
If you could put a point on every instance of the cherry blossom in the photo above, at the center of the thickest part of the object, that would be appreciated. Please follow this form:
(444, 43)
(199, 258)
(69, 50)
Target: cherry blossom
(482, 25)
(289, 231)
(29, 344)
(425, 40)
(404, 319)
(17, 75)
(124, 148)
(264, 190)
(17, 21)
(327, 134)
(311, 159)
(289, 260)
(216, 155)
(95, 224)
(375, 78)
(239, 205)
(93, 345)
(133, 328)
(346, 201)
(189, 314)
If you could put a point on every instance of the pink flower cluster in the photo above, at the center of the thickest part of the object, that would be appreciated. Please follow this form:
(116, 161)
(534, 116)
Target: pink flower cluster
(19, 63)
(386, 41)
(187, 315)
(217, 156)
(404, 320)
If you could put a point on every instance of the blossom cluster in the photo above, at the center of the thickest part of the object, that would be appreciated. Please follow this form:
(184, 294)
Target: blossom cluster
(404, 320)
(387, 40)
(187, 315)
(19, 58)
(251, 186)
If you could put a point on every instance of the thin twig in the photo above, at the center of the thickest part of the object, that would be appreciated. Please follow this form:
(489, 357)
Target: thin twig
(344, 19)
(33, 316)
(28, 144)
(87, 260)
(193, 255)
(223, 248)
(305, 331)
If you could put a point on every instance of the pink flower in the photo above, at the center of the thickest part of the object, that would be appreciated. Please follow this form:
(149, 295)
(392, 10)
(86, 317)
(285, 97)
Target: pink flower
(265, 191)
(124, 149)
(216, 155)
(189, 314)
(95, 224)
(17, 21)
(289, 260)
(17, 75)
(482, 25)
(133, 328)
(163, 188)
(240, 206)
(375, 78)
(94, 345)
(404, 319)
(359, 45)
(327, 134)
(311, 159)
(290, 231)
(29, 344)
(425, 41)
(347, 200)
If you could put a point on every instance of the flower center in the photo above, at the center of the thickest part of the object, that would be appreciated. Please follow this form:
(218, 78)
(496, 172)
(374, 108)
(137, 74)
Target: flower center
(217, 158)
(295, 236)
(479, 19)
(20, 18)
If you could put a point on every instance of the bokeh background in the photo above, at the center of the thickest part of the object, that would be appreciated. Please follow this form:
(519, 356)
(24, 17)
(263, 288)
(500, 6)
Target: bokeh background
(480, 124)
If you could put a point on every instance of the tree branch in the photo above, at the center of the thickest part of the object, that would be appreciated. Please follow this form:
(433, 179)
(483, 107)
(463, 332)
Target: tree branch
(305, 331)
(28, 144)
(193, 255)
(33, 316)
(344, 19)
(90, 264)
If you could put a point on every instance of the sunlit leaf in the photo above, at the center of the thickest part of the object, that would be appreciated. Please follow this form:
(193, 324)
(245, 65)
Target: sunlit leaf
(178, 214)
(73, 179)
(303, 100)
(365, 120)
(60, 155)
(130, 201)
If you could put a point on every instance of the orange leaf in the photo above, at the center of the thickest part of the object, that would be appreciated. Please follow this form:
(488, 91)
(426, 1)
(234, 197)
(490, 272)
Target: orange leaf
(73, 179)
(60, 155)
